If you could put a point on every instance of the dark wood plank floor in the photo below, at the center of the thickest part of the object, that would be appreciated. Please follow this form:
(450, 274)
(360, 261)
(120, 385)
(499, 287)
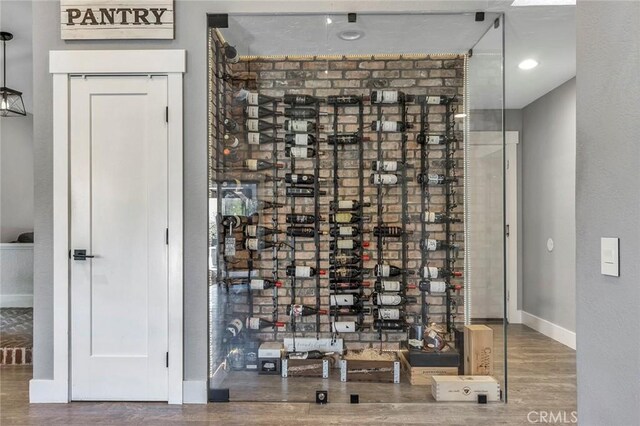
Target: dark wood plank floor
(541, 378)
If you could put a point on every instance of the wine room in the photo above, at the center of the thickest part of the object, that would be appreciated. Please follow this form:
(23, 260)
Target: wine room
(356, 206)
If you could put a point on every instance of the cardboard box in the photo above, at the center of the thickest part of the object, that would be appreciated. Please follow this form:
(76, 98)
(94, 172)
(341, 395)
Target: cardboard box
(369, 371)
(421, 376)
(464, 388)
(305, 368)
(270, 350)
(478, 350)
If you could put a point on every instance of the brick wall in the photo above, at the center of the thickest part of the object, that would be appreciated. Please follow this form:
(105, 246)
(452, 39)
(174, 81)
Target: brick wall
(276, 77)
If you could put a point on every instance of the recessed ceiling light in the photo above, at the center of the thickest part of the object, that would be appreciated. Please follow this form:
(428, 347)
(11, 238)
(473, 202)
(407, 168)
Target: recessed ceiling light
(329, 20)
(543, 3)
(528, 64)
(350, 35)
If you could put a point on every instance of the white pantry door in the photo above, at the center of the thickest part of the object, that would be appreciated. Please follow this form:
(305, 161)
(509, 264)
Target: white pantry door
(118, 186)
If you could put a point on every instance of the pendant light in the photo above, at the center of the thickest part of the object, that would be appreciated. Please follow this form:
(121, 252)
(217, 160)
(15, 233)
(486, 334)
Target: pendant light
(11, 103)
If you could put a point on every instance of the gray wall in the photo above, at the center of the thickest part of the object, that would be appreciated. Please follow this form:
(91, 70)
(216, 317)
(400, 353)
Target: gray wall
(548, 167)
(608, 205)
(190, 35)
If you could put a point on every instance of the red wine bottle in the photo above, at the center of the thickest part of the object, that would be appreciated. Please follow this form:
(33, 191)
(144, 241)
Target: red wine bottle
(387, 166)
(355, 310)
(230, 141)
(346, 327)
(393, 314)
(433, 217)
(268, 205)
(349, 285)
(432, 272)
(255, 125)
(347, 273)
(435, 100)
(387, 231)
(260, 112)
(342, 260)
(435, 179)
(389, 325)
(345, 139)
(258, 99)
(303, 271)
(230, 125)
(300, 100)
(345, 231)
(255, 244)
(389, 97)
(259, 231)
(344, 100)
(390, 126)
(300, 113)
(264, 284)
(391, 286)
(297, 178)
(347, 244)
(299, 126)
(302, 231)
(424, 139)
(384, 179)
(254, 138)
(303, 219)
(386, 270)
(347, 217)
(302, 192)
(299, 152)
(300, 139)
(430, 244)
(304, 311)
(344, 300)
(387, 299)
(259, 165)
(345, 205)
(437, 287)
(307, 355)
(254, 323)
(233, 329)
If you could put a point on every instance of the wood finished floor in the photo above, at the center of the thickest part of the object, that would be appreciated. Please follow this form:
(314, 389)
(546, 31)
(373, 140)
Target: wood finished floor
(541, 377)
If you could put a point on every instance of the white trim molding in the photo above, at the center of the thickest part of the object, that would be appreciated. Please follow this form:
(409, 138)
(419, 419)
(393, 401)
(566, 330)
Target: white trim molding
(63, 64)
(16, 300)
(549, 329)
(194, 392)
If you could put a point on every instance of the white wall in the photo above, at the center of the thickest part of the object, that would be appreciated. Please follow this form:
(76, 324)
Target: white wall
(548, 168)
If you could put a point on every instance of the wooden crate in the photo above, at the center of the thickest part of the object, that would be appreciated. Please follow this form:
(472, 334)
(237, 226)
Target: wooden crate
(478, 350)
(369, 371)
(305, 368)
(464, 388)
(421, 376)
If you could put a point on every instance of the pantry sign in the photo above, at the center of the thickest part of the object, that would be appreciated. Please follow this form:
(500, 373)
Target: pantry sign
(116, 19)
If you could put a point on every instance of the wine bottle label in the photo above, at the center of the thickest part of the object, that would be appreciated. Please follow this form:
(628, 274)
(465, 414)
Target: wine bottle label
(429, 217)
(301, 139)
(251, 230)
(253, 323)
(253, 138)
(253, 125)
(387, 97)
(344, 244)
(257, 284)
(251, 164)
(383, 270)
(235, 326)
(298, 152)
(389, 314)
(384, 179)
(296, 310)
(253, 111)
(430, 272)
(434, 140)
(344, 326)
(343, 217)
(303, 271)
(437, 287)
(298, 125)
(434, 179)
(253, 244)
(389, 299)
(342, 300)
(387, 126)
(345, 231)
(431, 244)
(252, 98)
(345, 204)
(386, 166)
(433, 100)
(390, 286)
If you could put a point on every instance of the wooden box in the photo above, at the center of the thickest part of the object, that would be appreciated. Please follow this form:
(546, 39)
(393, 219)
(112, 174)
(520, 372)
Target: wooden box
(464, 388)
(421, 376)
(305, 368)
(478, 350)
(369, 371)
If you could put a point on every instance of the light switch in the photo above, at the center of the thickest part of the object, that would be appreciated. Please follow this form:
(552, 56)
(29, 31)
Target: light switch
(609, 256)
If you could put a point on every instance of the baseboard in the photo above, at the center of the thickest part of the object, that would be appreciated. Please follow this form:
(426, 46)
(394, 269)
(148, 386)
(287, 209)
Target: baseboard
(549, 329)
(194, 392)
(47, 391)
(516, 318)
(16, 300)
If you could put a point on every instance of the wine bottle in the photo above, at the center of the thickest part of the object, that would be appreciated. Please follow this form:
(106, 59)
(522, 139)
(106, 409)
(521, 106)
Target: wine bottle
(268, 205)
(255, 125)
(259, 165)
(432, 272)
(303, 219)
(433, 217)
(258, 99)
(349, 285)
(299, 126)
(435, 100)
(387, 166)
(354, 310)
(389, 97)
(264, 284)
(347, 273)
(303, 271)
(347, 217)
(386, 299)
(254, 138)
(390, 126)
(299, 152)
(391, 286)
(300, 179)
(300, 139)
(345, 327)
(345, 139)
(300, 113)
(435, 179)
(344, 231)
(388, 314)
(302, 231)
(344, 100)
(342, 260)
(233, 329)
(387, 231)
(230, 141)
(302, 192)
(259, 231)
(300, 100)
(424, 139)
(430, 244)
(389, 325)
(344, 299)
(230, 125)
(253, 323)
(344, 205)
(436, 287)
(386, 270)
(307, 355)
(303, 310)
(347, 244)
(384, 179)
(255, 244)
(260, 112)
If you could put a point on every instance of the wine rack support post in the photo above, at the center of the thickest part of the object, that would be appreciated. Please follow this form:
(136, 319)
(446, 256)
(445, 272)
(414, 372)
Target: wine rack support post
(361, 177)
(336, 185)
(447, 226)
(275, 221)
(424, 308)
(379, 189)
(292, 253)
(316, 205)
(404, 198)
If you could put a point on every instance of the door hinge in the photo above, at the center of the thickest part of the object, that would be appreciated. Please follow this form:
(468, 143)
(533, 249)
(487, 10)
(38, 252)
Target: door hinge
(167, 359)
(166, 236)
(166, 114)
(507, 230)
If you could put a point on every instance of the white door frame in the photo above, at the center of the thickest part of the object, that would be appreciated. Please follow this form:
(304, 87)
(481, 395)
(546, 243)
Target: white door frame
(63, 64)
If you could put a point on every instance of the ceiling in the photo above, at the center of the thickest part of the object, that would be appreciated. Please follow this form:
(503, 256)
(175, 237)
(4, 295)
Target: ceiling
(545, 33)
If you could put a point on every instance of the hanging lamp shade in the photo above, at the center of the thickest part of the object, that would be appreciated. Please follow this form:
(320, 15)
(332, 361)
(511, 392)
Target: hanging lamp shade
(11, 103)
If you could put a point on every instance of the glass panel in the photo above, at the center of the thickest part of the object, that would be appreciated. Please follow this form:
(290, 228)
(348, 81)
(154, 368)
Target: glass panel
(339, 203)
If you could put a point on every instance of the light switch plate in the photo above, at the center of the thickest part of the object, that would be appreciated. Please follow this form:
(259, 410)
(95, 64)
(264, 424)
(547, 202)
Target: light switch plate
(610, 256)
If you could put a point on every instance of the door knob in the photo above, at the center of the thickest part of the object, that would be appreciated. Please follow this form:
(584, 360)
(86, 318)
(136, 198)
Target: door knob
(81, 254)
